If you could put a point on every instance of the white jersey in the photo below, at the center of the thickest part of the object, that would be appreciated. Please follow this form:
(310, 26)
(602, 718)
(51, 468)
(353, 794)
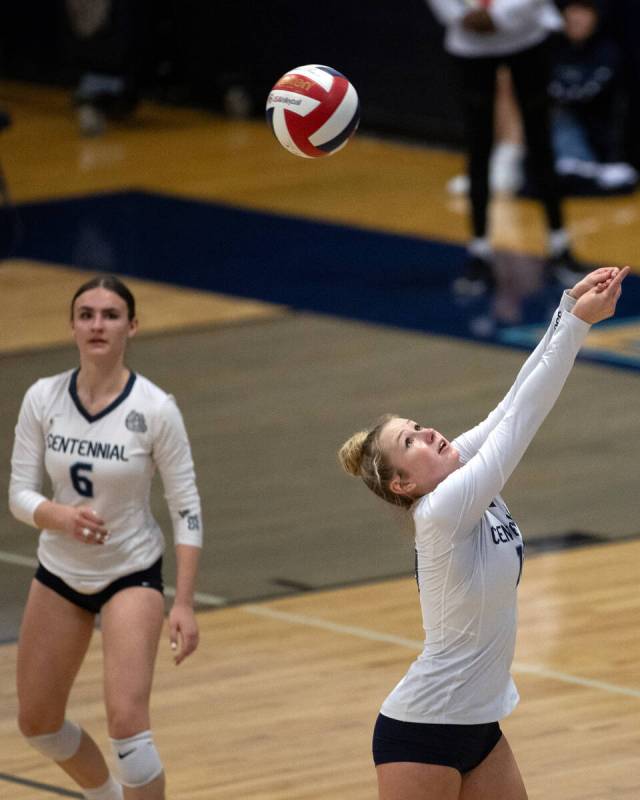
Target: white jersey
(469, 552)
(519, 24)
(105, 461)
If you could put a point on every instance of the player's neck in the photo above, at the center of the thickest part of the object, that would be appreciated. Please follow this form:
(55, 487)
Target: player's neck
(98, 384)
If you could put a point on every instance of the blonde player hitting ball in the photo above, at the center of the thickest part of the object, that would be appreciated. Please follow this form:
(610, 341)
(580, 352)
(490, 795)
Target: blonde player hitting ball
(437, 736)
(100, 432)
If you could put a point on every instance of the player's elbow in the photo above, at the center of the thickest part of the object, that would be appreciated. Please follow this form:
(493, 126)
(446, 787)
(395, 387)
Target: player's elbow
(21, 504)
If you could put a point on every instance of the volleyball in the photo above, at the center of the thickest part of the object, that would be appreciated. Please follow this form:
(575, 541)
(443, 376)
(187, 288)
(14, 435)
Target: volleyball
(313, 111)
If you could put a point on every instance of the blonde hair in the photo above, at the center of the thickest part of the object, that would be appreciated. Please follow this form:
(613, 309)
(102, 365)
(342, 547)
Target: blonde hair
(362, 456)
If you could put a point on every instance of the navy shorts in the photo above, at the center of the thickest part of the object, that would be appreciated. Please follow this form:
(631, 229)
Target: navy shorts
(150, 577)
(462, 747)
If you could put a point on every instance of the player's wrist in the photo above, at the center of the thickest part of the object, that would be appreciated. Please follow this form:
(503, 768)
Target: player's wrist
(54, 516)
(183, 602)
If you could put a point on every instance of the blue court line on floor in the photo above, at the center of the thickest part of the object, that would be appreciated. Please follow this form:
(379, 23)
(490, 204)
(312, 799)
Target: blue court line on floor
(384, 278)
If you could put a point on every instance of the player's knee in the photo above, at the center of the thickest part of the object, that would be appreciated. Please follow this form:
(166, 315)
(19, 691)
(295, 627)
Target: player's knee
(32, 724)
(59, 745)
(126, 713)
(40, 716)
(136, 760)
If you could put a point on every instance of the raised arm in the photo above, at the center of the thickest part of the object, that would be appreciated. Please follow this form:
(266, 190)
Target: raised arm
(469, 443)
(461, 499)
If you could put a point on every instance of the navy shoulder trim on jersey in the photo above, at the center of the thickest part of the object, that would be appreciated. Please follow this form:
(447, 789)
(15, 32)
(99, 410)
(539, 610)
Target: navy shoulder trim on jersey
(73, 391)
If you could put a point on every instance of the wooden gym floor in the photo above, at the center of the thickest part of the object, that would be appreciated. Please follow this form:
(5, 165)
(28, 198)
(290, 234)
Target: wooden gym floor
(307, 608)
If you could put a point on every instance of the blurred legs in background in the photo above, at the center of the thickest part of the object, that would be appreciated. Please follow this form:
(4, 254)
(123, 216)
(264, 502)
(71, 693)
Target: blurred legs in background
(106, 40)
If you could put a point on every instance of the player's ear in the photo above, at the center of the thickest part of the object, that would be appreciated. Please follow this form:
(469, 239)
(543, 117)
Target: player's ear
(403, 488)
(133, 327)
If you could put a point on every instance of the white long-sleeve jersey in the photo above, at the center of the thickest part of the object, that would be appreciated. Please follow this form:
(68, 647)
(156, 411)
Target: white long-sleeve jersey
(106, 461)
(469, 552)
(519, 24)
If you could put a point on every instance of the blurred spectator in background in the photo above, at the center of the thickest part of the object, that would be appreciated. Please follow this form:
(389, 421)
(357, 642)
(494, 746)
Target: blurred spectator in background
(107, 41)
(506, 164)
(481, 37)
(625, 26)
(588, 105)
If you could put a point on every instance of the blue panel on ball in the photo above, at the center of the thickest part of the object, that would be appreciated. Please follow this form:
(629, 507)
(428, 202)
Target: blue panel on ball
(341, 138)
(330, 70)
(269, 115)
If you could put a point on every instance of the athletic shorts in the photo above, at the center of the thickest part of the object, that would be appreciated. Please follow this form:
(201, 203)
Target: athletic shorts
(150, 577)
(462, 747)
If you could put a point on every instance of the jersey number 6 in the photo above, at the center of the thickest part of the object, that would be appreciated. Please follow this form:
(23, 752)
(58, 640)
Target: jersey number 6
(81, 483)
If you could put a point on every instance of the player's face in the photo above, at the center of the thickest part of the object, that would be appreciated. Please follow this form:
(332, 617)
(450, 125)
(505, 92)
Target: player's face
(580, 23)
(421, 456)
(101, 326)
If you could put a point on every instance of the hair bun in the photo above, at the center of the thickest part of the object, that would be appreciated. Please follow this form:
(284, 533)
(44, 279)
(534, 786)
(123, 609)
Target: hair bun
(350, 454)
